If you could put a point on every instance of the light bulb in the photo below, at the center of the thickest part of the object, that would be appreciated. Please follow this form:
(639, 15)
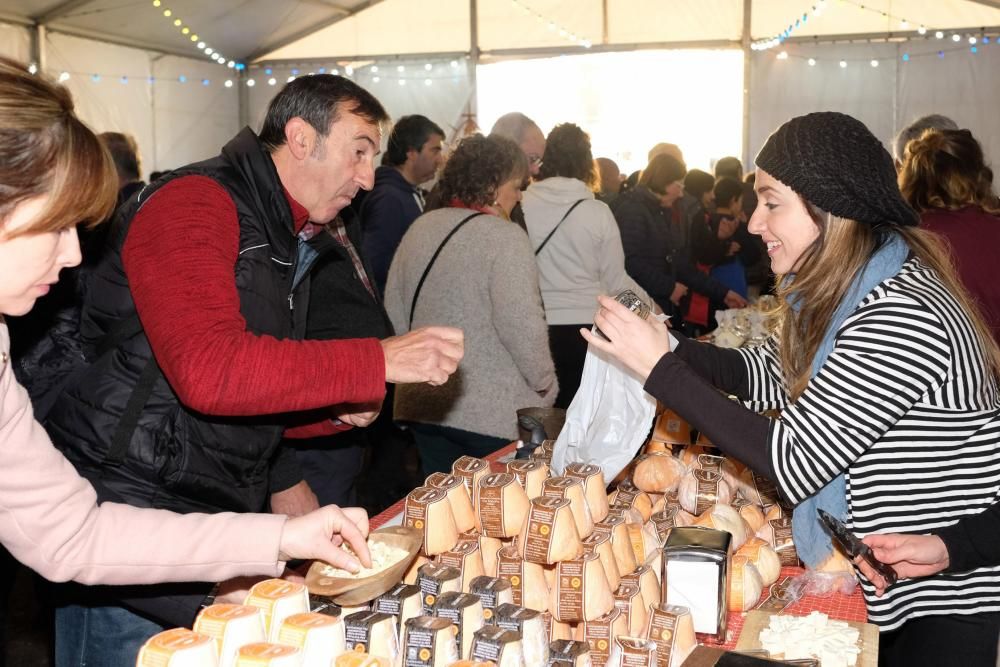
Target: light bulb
(64, 76)
(427, 82)
(167, 13)
(812, 62)
(874, 63)
(178, 22)
(272, 81)
(922, 30)
(939, 34)
(843, 64)
(229, 83)
(251, 83)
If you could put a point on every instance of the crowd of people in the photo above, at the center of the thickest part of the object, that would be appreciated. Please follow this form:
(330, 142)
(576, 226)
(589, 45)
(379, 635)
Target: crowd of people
(219, 367)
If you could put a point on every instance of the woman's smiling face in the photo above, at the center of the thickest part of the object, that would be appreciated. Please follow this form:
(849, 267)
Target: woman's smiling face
(782, 220)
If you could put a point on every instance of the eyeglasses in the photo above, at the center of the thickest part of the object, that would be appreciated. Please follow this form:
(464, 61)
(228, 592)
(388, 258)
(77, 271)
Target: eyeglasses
(535, 160)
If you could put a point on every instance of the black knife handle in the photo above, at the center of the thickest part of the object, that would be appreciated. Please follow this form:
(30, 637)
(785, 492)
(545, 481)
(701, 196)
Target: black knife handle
(884, 569)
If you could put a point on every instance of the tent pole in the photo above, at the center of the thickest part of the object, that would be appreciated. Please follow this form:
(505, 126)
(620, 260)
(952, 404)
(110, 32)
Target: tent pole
(747, 56)
(38, 54)
(243, 98)
(473, 57)
(604, 21)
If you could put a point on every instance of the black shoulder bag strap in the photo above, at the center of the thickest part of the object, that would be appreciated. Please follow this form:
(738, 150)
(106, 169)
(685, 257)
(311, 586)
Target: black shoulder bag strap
(420, 285)
(561, 220)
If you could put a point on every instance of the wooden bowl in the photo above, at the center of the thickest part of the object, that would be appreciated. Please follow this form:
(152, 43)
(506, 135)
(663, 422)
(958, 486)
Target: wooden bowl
(351, 591)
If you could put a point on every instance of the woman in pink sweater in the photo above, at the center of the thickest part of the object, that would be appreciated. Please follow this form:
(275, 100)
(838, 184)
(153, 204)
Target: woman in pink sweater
(54, 174)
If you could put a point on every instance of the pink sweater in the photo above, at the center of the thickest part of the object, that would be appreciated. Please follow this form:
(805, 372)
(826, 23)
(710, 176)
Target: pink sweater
(50, 520)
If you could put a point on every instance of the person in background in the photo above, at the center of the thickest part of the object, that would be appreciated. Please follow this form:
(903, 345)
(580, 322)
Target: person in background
(945, 178)
(879, 356)
(664, 148)
(729, 167)
(412, 157)
(934, 121)
(610, 179)
(467, 266)
(577, 247)
(744, 249)
(526, 134)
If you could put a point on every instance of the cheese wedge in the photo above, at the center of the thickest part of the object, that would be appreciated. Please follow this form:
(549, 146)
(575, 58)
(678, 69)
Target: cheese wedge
(373, 633)
(502, 505)
(355, 659)
(671, 628)
(277, 599)
(753, 515)
(527, 579)
(599, 542)
(231, 626)
(671, 429)
(429, 642)
(465, 611)
(178, 647)
(593, 487)
(434, 580)
(557, 629)
(410, 576)
(571, 652)
(403, 601)
(265, 654)
(724, 517)
(702, 489)
(467, 557)
(530, 474)
(633, 652)
(600, 633)
(458, 497)
(549, 533)
(632, 497)
(492, 592)
(621, 543)
(629, 599)
(763, 557)
(658, 473)
(645, 542)
(745, 585)
(530, 624)
(488, 547)
(471, 470)
(581, 592)
(319, 637)
(499, 646)
(648, 583)
(571, 488)
(428, 510)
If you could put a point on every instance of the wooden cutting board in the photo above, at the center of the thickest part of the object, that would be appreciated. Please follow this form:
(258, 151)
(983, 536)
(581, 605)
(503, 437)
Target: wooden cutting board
(757, 620)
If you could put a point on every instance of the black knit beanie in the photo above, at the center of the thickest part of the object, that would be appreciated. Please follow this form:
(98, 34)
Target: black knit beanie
(836, 163)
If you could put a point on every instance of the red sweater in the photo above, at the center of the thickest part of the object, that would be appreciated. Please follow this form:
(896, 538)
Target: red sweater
(179, 257)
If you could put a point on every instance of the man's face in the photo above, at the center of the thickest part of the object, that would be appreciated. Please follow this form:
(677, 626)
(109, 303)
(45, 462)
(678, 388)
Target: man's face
(430, 158)
(533, 146)
(339, 165)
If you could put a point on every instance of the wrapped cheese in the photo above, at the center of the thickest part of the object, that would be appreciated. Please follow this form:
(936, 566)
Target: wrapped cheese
(467, 557)
(778, 533)
(404, 601)
(593, 487)
(633, 652)
(549, 533)
(488, 547)
(264, 654)
(701, 489)
(471, 470)
(758, 489)
(571, 488)
(492, 592)
(658, 473)
(581, 591)
(530, 624)
(428, 510)
(775, 511)
(599, 542)
(319, 637)
(277, 599)
(753, 515)
(573, 653)
(373, 633)
(629, 599)
(178, 647)
(632, 497)
(648, 583)
(645, 542)
(499, 646)
(671, 628)
(429, 642)
(671, 429)
(434, 580)
(689, 455)
(465, 611)
(458, 497)
(355, 659)
(231, 626)
(527, 579)
(410, 576)
(745, 584)
(556, 629)
(724, 517)
(836, 563)
(621, 543)
(600, 633)
(763, 557)
(530, 474)
(502, 505)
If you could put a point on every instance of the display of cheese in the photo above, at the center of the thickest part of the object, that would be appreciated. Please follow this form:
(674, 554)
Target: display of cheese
(593, 487)
(745, 584)
(753, 515)
(492, 592)
(434, 580)
(599, 542)
(778, 533)
(354, 659)
(671, 628)
(372, 632)
(404, 601)
(502, 505)
(498, 645)
(812, 637)
(467, 557)
(758, 489)
(557, 629)
(645, 542)
(530, 474)
(488, 547)
(178, 647)
(581, 591)
(648, 583)
(689, 455)
(473, 663)
(775, 511)
(671, 429)
(277, 599)
(531, 626)
(471, 470)
(458, 497)
(571, 652)
(527, 579)
(465, 611)
(633, 652)
(571, 488)
(658, 473)
(724, 517)
(231, 626)
(720, 464)
(410, 576)
(319, 637)
(428, 510)
(629, 599)
(632, 497)
(763, 557)
(600, 633)
(265, 654)
(700, 489)
(549, 533)
(621, 543)
(429, 642)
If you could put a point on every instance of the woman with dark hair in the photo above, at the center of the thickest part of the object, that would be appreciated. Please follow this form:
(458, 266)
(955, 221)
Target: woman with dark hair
(467, 266)
(945, 178)
(577, 246)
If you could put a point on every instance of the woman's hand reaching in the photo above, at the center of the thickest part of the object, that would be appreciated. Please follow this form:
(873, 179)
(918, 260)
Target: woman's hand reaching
(639, 344)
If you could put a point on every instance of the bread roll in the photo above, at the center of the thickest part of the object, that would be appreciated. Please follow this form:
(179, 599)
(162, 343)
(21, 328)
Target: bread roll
(745, 585)
(658, 473)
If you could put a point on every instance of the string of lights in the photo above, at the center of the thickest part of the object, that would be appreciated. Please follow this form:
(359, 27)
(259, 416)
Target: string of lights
(189, 33)
(975, 43)
(552, 26)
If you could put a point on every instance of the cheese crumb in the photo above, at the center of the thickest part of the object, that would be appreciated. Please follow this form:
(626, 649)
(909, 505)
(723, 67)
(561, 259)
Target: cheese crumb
(383, 556)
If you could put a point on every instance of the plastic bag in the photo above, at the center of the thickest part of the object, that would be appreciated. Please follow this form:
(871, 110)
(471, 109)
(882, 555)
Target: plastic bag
(608, 420)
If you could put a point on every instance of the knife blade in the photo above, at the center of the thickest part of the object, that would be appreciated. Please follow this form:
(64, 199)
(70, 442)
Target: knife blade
(854, 547)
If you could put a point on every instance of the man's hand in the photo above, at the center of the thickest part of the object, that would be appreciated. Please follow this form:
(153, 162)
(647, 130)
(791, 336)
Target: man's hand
(637, 343)
(428, 354)
(909, 555)
(319, 534)
(294, 501)
(734, 300)
(356, 414)
(680, 289)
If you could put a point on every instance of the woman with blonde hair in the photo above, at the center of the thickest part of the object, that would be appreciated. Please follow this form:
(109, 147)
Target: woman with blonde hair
(885, 374)
(54, 174)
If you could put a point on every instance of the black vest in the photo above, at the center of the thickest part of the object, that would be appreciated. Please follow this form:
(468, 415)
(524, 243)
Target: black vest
(177, 458)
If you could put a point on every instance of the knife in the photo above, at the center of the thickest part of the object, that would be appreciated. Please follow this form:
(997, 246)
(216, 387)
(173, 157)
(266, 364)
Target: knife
(854, 547)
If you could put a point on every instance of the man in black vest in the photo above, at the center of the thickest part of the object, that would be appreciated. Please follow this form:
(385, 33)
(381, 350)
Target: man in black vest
(195, 334)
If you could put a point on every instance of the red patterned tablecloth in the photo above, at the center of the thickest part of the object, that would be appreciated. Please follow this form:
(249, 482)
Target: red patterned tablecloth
(843, 607)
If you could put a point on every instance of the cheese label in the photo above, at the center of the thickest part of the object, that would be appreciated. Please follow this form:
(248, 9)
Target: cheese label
(436, 479)
(595, 540)
(568, 650)
(521, 467)
(663, 521)
(263, 653)
(626, 597)
(452, 606)
(160, 649)
(556, 487)
(636, 652)
(662, 630)
(467, 545)
(783, 544)
(488, 590)
(739, 502)
(511, 567)
(421, 641)
(582, 471)
(616, 511)
(599, 634)
(322, 604)
(541, 520)
(672, 498)
(491, 502)
(432, 579)
(358, 628)
(415, 507)
(765, 488)
(710, 462)
(490, 642)
(544, 451)
(570, 588)
(708, 489)
(392, 601)
(626, 496)
(468, 469)
(778, 596)
(511, 617)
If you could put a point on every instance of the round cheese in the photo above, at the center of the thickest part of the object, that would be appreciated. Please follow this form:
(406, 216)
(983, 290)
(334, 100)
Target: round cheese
(763, 557)
(502, 506)
(458, 497)
(277, 599)
(632, 497)
(702, 489)
(549, 533)
(745, 585)
(355, 659)
(753, 515)
(178, 647)
(724, 517)
(428, 510)
(594, 487)
(757, 489)
(658, 473)
(778, 533)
